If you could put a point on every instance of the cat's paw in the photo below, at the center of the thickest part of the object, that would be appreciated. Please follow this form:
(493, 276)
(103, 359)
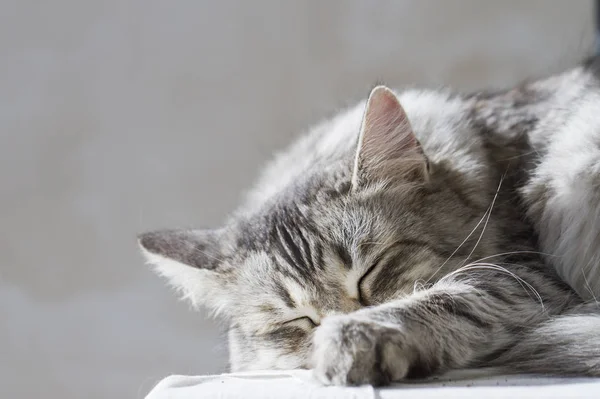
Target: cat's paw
(353, 351)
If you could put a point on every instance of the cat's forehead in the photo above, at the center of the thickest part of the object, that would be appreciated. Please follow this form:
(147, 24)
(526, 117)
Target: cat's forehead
(305, 227)
(292, 241)
(307, 204)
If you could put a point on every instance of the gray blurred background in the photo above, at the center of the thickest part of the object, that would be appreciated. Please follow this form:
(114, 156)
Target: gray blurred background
(122, 116)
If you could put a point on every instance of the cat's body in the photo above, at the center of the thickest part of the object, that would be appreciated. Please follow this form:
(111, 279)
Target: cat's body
(556, 123)
(410, 253)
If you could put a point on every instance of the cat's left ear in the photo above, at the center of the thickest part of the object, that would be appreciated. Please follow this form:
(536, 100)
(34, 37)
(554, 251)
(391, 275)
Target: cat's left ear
(192, 262)
(387, 147)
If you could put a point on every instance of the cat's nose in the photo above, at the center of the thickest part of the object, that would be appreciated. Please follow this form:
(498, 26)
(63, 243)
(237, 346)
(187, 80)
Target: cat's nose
(350, 305)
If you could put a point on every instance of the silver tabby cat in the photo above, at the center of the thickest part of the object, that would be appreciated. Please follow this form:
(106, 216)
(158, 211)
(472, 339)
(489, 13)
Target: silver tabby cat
(417, 232)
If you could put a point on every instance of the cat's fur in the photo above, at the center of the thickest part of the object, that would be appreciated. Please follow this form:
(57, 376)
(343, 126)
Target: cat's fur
(395, 240)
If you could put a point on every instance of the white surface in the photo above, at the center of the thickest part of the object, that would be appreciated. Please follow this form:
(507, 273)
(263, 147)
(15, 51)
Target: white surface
(298, 384)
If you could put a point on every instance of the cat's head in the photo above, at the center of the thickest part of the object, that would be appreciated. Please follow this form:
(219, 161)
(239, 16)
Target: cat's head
(360, 231)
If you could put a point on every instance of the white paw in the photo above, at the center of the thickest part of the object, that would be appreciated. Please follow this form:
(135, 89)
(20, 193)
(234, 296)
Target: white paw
(353, 351)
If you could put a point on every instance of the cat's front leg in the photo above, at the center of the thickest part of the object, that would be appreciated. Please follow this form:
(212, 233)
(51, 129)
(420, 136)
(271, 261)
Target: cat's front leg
(451, 325)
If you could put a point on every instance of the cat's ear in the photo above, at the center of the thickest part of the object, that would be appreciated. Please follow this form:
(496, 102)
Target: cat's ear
(191, 260)
(387, 146)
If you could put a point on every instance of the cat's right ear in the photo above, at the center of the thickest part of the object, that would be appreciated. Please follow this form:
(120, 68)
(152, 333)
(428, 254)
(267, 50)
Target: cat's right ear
(387, 146)
(191, 260)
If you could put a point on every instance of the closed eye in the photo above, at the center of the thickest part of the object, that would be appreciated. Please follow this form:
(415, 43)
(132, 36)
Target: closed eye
(362, 280)
(304, 322)
(394, 255)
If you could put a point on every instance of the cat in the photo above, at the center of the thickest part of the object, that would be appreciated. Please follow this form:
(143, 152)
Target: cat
(414, 233)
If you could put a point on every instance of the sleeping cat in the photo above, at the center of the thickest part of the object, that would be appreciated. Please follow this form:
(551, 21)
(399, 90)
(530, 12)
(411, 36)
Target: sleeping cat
(417, 232)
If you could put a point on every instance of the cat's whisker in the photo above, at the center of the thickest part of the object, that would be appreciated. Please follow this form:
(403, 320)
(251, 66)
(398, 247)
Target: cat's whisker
(487, 219)
(458, 248)
(516, 253)
(587, 283)
(520, 155)
(492, 266)
(484, 217)
(418, 286)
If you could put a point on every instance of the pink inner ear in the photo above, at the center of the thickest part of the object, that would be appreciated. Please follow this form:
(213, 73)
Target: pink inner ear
(384, 100)
(386, 130)
(387, 143)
